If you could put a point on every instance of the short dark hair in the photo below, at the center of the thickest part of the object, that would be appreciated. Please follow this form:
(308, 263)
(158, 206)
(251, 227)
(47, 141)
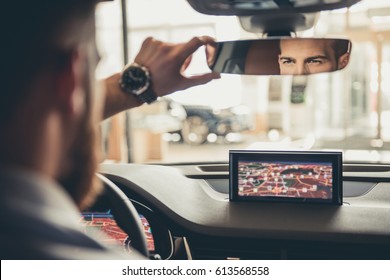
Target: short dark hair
(30, 31)
(341, 46)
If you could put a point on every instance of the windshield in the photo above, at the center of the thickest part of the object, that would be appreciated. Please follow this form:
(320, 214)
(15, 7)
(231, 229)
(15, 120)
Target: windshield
(345, 110)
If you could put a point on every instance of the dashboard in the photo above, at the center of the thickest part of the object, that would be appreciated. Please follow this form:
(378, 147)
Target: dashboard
(191, 217)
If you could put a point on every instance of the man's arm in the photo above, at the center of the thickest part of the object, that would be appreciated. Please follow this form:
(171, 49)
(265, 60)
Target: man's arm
(116, 100)
(166, 63)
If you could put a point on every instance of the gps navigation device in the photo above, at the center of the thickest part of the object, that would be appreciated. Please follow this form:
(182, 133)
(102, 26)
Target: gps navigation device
(281, 176)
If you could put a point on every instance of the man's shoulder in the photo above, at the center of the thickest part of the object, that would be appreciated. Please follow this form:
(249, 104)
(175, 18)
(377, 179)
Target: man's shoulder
(38, 221)
(28, 234)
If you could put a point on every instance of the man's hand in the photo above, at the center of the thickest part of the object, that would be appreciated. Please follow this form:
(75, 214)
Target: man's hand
(167, 62)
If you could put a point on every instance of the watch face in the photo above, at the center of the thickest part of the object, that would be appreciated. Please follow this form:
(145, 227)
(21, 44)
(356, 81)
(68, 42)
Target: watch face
(135, 79)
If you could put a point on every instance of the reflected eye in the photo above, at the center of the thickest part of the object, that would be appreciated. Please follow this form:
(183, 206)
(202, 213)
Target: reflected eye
(315, 61)
(287, 61)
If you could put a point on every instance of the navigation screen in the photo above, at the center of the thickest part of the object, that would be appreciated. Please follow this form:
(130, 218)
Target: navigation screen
(113, 235)
(290, 176)
(289, 179)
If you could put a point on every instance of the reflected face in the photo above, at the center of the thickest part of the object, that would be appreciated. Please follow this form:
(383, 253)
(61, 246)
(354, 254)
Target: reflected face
(302, 57)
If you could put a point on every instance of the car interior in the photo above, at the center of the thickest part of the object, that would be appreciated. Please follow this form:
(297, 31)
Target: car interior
(195, 208)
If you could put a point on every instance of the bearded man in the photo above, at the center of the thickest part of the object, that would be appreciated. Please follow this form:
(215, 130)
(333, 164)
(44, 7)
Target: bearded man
(50, 107)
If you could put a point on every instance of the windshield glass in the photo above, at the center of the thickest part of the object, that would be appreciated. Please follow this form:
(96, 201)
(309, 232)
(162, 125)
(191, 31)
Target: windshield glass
(345, 110)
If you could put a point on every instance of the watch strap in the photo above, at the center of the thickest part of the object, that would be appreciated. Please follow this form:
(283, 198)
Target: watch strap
(148, 96)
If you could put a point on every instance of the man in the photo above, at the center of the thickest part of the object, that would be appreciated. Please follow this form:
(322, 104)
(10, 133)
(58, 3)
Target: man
(49, 111)
(310, 56)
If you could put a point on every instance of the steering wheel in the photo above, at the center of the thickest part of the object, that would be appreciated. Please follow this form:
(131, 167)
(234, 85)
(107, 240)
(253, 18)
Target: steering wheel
(126, 216)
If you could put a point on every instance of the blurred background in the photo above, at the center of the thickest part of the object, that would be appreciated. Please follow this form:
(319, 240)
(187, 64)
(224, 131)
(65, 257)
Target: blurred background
(347, 110)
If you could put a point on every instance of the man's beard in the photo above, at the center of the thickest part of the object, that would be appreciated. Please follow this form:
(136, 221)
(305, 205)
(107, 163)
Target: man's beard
(80, 181)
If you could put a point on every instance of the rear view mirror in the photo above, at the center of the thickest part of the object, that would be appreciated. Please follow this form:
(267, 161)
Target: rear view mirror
(282, 56)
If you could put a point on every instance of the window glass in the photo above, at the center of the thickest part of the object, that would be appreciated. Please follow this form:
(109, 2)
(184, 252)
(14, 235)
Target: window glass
(343, 110)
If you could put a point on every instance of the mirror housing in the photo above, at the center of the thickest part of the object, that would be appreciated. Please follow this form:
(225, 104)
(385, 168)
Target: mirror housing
(281, 56)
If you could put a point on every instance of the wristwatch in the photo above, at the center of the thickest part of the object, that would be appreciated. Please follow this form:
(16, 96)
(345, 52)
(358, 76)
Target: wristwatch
(135, 80)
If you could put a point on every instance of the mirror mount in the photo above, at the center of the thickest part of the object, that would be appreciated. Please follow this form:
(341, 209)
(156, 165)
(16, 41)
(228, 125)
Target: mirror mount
(279, 33)
(277, 25)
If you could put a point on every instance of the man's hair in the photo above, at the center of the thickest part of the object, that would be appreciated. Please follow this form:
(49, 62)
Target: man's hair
(33, 32)
(341, 46)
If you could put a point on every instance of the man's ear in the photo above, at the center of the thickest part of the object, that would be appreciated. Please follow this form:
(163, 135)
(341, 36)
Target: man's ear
(69, 94)
(343, 61)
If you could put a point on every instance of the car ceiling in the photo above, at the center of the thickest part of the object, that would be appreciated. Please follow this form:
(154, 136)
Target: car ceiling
(253, 7)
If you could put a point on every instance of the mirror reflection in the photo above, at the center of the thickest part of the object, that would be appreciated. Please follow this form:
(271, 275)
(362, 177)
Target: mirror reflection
(282, 56)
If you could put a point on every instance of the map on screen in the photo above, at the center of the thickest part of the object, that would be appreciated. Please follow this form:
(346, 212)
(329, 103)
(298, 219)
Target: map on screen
(313, 177)
(285, 179)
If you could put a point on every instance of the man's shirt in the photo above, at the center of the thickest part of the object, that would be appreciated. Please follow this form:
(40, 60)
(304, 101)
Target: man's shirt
(38, 220)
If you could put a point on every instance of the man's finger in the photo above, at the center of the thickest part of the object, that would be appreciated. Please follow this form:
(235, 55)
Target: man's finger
(186, 63)
(199, 79)
(191, 46)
